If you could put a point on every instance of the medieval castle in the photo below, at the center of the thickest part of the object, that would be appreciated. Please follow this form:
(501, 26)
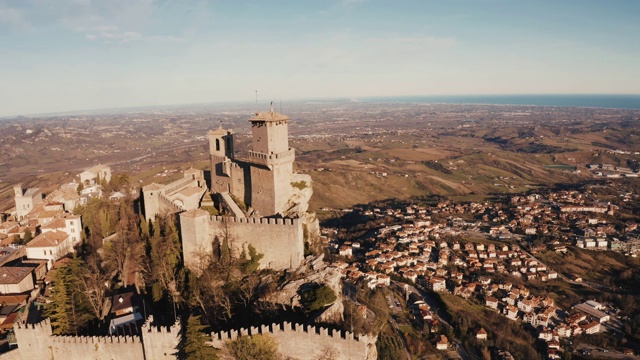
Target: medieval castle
(263, 201)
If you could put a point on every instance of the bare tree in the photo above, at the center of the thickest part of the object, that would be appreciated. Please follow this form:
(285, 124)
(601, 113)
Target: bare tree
(95, 282)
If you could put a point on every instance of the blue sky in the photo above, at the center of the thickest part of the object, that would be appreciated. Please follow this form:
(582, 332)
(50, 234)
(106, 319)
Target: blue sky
(64, 55)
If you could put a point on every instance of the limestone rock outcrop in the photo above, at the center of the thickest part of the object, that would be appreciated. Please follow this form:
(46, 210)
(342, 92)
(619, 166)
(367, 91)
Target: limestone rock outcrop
(313, 270)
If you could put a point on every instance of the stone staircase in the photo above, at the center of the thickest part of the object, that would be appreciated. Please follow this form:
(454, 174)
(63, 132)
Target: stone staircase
(231, 204)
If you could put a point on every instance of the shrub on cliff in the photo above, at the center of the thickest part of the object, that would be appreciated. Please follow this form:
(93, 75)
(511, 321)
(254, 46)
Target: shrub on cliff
(315, 297)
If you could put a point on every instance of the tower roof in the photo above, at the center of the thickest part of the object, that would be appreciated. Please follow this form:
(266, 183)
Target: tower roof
(219, 131)
(269, 116)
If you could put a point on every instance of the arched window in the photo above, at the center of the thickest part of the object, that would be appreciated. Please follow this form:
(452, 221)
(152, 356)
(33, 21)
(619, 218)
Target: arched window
(217, 144)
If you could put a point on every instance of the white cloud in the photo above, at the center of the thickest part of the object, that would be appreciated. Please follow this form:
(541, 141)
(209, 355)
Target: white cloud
(14, 19)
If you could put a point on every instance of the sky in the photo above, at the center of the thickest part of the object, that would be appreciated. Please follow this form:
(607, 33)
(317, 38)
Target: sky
(66, 55)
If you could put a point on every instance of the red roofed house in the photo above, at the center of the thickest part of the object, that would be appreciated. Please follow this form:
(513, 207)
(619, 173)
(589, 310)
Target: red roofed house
(16, 279)
(68, 223)
(50, 246)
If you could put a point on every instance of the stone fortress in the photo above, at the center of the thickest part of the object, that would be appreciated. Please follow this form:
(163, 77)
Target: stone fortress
(264, 204)
(263, 201)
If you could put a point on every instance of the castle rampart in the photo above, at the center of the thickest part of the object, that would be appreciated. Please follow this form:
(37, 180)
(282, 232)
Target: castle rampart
(160, 342)
(279, 240)
(272, 159)
(301, 341)
(37, 341)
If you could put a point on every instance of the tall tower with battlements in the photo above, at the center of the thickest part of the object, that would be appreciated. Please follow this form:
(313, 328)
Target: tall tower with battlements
(271, 178)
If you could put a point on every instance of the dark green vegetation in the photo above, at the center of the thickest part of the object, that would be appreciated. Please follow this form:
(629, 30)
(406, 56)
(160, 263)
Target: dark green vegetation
(316, 297)
(71, 309)
(194, 342)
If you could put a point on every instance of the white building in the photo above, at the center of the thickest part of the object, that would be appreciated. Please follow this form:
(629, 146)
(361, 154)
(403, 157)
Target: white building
(91, 175)
(68, 223)
(50, 246)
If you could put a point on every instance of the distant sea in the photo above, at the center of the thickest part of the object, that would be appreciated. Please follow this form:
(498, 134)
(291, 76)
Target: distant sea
(595, 101)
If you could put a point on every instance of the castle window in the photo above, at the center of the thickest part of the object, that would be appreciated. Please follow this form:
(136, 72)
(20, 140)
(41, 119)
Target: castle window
(217, 144)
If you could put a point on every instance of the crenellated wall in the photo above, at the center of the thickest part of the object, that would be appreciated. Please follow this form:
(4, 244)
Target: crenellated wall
(300, 341)
(36, 341)
(160, 342)
(279, 240)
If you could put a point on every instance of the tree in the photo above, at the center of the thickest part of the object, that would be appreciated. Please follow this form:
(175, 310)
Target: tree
(256, 347)
(195, 341)
(59, 309)
(27, 236)
(164, 264)
(316, 297)
(69, 310)
(125, 253)
(250, 265)
(93, 281)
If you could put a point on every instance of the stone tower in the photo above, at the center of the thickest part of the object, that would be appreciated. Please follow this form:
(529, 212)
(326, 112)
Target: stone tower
(221, 143)
(223, 167)
(17, 190)
(271, 179)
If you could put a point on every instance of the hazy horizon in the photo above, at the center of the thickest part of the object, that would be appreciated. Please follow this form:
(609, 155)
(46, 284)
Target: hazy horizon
(67, 55)
(629, 101)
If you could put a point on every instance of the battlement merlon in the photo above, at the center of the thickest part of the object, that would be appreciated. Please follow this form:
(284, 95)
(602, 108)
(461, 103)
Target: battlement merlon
(268, 116)
(263, 221)
(261, 158)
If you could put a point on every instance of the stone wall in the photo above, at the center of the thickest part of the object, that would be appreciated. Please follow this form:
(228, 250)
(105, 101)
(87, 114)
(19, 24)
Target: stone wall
(299, 341)
(279, 240)
(36, 341)
(160, 342)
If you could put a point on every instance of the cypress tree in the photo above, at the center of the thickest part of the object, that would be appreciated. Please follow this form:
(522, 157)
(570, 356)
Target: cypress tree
(59, 309)
(195, 341)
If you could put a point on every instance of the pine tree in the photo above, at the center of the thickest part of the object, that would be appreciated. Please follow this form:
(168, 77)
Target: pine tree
(195, 341)
(69, 309)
